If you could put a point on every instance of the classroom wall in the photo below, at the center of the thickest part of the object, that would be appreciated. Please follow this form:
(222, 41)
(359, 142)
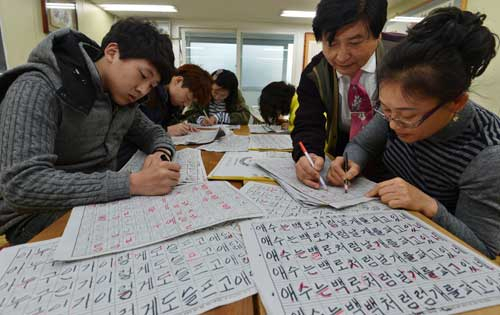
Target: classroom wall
(22, 26)
(485, 88)
(93, 21)
(247, 27)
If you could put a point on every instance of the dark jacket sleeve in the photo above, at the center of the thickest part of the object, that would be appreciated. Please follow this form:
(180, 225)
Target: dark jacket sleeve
(148, 136)
(309, 119)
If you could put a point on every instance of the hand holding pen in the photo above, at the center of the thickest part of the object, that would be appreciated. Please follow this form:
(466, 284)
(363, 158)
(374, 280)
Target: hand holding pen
(208, 121)
(311, 163)
(342, 171)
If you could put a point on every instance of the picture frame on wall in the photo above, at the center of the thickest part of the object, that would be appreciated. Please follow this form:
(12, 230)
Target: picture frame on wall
(3, 57)
(57, 14)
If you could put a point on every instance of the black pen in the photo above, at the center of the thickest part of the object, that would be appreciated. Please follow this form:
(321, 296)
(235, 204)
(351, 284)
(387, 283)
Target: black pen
(346, 168)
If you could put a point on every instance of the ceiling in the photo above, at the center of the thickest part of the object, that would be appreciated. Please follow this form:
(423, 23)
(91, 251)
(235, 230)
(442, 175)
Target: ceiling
(232, 10)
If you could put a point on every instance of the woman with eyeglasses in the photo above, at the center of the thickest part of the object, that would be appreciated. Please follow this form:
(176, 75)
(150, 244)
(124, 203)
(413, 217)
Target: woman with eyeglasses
(443, 148)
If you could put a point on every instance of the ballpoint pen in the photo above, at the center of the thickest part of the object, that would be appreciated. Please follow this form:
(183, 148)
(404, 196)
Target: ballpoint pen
(346, 168)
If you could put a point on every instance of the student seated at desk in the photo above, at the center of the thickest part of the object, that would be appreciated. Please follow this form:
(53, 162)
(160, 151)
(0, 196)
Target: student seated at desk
(227, 105)
(63, 116)
(165, 104)
(190, 84)
(444, 148)
(276, 100)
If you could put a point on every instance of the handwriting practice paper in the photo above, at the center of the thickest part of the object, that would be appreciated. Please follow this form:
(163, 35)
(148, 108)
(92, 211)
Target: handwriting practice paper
(200, 137)
(231, 143)
(270, 142)
(192, 168)
(266, 129)
(241, 165)
(387, 262)
(284, 174)
(231, 127)
(116, 226)
(279, 204)
(188, 275)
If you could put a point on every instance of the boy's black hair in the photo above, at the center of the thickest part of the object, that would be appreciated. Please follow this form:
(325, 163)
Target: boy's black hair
(227, 80)
(275, 100)
(332, 15)
(140, 39)
(441, 55)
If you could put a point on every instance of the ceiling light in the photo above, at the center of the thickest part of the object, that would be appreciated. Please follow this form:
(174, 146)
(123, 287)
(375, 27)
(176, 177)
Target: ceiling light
(298, 14)
(57, 5)
(406, 19)
(139, 7)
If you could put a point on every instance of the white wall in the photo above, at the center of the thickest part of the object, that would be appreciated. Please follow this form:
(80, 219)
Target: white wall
(21, 29)
(246, 27)
(93, 21)
(484, 89)
(22, 26)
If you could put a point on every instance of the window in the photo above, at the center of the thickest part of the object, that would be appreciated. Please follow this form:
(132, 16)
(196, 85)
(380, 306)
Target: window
(211, 50)
(264, 58)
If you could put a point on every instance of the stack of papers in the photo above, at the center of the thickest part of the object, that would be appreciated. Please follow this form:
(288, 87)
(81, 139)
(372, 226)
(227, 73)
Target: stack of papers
(216, 126)
(200, 137)
(284, 174)
(278, 204)
(231, 143)
(271, 142)
(266, 129)
(192, 169)
(241, 165)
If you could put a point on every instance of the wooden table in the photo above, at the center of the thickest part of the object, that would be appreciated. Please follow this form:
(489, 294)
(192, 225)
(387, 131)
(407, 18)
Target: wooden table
(250, 305)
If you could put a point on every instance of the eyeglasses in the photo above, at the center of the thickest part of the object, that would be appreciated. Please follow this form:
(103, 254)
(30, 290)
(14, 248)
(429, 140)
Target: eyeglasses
(405, 123)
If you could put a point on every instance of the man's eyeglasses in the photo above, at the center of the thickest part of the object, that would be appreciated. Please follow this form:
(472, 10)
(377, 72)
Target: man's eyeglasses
(406, 123)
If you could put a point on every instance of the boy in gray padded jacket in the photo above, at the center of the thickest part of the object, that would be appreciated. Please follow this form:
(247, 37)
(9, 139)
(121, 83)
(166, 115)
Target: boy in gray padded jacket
(63, 116)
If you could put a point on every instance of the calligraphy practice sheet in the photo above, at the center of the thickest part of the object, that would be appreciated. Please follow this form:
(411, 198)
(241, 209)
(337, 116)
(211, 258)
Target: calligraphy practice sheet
(116, 226)
(241, 165)
(284, 174)
(188, 275)
(277, 203)
(270, 142)
(387, 262)
(266, 129)
(232, 143)
(232, 127)
(192, 168)
(200, 137)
